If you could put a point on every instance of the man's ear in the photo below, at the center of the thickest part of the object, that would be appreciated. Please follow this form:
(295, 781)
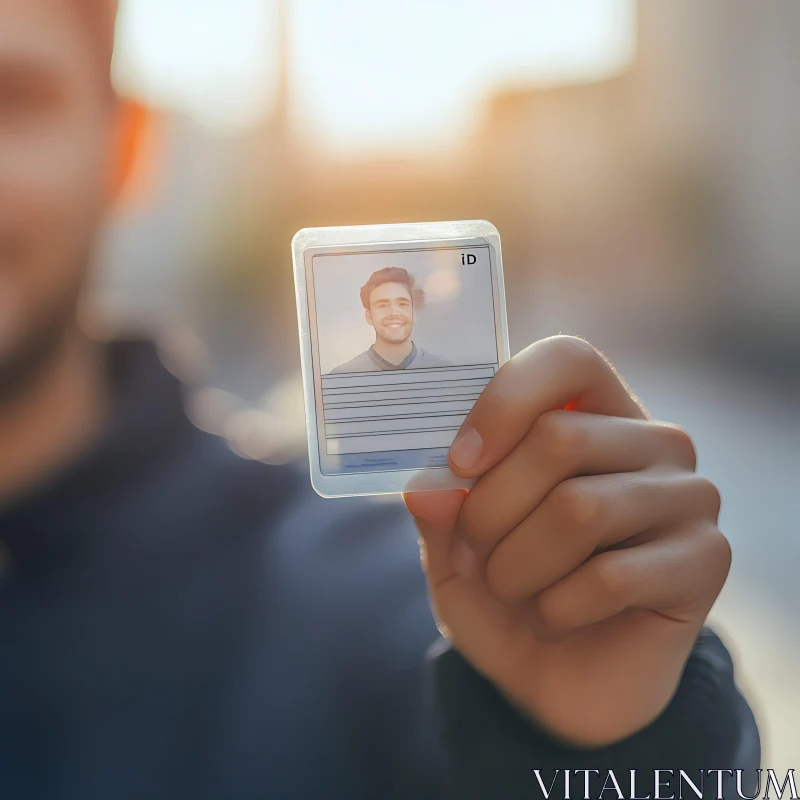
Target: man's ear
(133, 123)
(368, 317)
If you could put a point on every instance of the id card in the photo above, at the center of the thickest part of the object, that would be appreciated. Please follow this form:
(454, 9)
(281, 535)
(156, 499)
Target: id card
(401, 329)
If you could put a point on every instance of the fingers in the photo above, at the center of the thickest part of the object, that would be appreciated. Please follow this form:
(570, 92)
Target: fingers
(604, 510)
(678, 577)
(562, 445)
(548, 375)
(582, 515)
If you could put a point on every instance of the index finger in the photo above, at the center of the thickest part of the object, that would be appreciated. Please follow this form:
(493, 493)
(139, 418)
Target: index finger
(555, 373)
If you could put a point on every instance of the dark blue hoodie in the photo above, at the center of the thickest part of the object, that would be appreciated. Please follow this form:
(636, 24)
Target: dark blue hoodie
(178, 623)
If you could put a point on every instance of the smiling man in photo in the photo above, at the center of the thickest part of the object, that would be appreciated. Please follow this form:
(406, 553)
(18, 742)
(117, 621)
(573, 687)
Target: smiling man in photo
(388, 300)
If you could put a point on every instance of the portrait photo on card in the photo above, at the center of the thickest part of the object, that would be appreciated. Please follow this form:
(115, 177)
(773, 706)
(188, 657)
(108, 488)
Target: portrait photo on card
(404, 338)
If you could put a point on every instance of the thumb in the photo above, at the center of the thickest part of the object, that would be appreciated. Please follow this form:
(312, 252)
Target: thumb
(435, 514)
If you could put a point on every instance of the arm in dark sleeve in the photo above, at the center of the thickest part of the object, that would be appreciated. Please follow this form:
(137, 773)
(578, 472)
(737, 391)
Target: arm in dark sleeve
(494, 750)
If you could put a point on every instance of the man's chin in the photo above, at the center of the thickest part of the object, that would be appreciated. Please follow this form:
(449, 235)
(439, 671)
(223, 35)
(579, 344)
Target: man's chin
(400, 338)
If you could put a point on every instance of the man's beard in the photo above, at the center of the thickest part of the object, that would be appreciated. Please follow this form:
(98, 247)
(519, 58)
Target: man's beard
(30, 358)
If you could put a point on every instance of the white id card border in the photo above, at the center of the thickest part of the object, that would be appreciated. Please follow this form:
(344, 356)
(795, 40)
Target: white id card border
(375, 426)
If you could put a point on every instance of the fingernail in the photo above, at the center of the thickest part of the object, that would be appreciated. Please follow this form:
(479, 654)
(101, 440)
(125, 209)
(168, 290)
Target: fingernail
(464, 559)
(466, 449)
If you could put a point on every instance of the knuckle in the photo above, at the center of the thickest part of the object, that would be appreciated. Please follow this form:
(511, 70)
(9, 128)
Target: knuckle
(680, 441)
(712, 558)
(576, 506)
(555, 436)
(710, 495)
(610, 578)
(501, 582)
(706, 561)
(553, 615)
(495, 400)
(720, 553)
(575, 345)
(572, 348)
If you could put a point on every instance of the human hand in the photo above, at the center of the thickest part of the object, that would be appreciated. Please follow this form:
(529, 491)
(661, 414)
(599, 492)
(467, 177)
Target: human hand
(578, 571)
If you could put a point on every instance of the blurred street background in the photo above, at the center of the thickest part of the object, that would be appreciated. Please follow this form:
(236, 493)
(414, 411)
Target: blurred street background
(641, 161)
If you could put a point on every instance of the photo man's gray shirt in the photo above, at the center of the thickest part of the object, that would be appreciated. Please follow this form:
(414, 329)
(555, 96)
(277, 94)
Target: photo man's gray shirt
(370, 361)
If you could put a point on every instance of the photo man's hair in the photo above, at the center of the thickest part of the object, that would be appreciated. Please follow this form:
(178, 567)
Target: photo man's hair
(387, 275)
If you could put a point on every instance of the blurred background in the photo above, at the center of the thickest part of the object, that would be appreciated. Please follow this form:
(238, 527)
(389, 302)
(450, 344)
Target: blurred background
(640, 159)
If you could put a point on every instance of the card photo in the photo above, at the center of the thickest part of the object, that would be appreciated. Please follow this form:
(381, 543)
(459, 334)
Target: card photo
(404, 338)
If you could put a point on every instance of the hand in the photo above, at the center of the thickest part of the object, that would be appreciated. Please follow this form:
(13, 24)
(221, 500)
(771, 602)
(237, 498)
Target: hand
(578, 571)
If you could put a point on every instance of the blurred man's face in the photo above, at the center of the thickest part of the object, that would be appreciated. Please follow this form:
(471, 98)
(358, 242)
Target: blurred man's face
(391, 312)
(55, 118)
